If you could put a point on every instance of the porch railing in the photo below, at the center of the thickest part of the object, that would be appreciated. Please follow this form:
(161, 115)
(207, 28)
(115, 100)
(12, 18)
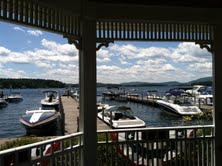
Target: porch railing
(173, 146)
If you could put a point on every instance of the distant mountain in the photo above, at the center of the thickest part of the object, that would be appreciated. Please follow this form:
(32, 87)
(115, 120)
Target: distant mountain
(171, 83)
(202, 81)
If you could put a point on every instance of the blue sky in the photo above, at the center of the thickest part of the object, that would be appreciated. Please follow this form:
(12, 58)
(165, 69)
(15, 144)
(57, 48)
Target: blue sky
(32, 53)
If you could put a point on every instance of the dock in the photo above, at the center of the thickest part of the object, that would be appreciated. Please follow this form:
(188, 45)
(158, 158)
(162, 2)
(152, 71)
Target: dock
(71, 113)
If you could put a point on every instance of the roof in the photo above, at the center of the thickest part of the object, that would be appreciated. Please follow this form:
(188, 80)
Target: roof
(181, 3)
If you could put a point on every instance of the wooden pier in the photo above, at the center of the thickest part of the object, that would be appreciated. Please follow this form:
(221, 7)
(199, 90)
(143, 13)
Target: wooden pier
(71, 113)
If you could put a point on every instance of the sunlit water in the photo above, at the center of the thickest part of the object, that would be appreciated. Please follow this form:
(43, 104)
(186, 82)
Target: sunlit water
(153, 116)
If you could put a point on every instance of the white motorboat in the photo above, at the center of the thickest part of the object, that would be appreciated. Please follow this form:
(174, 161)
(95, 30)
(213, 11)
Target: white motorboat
(14, 97)
(43, 118)
(3, 103)
(180, 103)
(196, 90)
(120, 117)
(205, 97)
(51, 99)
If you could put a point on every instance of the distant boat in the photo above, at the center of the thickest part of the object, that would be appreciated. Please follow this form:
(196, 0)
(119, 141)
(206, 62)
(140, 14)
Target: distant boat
(120, 117)
(179, 102)
(196, 90)
(14, 97)
(51, 99)
(3, 103)
(39, 119)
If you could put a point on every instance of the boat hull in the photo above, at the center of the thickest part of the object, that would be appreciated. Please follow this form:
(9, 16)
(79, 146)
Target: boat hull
(14, 99)
(41, 125)
(179, 110)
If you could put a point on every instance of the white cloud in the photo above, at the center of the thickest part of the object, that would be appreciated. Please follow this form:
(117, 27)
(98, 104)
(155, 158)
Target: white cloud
(132, 52)
(19, 29)
(156, 64)
(190, 53)
(64, 49)
(12, 73)
(4, 51)
(201, 67)
(115, 64)
(101, 60)
(34, 32)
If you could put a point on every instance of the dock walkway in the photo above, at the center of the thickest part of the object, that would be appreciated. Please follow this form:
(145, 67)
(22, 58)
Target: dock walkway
(71, 112)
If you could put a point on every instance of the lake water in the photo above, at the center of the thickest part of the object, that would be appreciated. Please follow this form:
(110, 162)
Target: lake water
(153, 116)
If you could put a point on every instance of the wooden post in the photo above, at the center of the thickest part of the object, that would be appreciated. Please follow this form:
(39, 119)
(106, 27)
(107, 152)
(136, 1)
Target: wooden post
(217, 91)
(88, 108)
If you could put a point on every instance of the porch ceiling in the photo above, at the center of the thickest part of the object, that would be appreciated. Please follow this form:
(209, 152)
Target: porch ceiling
(179, 3)
(159, 20)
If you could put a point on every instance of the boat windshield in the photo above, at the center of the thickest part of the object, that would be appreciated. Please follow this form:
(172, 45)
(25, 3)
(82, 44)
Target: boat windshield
(184, 100)
(126, 111)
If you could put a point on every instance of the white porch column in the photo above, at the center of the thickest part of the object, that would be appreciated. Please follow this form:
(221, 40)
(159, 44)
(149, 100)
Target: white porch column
(88, 111)
(217, 72)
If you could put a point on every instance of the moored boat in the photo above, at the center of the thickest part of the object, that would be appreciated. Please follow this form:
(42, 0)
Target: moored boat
(51, 99)
(3, 103)
(180, 103)
(14, 97)
(39, 119)
(120, 117)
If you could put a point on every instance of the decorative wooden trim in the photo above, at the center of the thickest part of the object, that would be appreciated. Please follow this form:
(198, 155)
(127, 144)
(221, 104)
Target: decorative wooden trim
(35, 14)
(208, 46)
(105, 43)
(153, 31)
(73, 40)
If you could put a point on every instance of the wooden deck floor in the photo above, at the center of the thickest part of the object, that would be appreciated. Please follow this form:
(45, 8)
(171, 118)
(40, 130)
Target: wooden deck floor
(71, 112)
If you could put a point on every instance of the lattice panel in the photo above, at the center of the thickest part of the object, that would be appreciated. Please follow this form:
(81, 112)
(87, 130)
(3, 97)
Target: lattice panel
(118, 30)
(29, 12)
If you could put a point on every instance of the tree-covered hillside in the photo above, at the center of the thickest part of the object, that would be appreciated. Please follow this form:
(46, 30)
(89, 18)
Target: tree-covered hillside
(29, 83)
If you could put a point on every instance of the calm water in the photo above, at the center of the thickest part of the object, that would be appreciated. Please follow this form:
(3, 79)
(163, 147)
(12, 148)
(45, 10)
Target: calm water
(9, 116)
(153, 116)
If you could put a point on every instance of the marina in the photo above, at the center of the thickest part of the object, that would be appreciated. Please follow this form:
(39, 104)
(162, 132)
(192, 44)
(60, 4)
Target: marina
(143, 106)
(148, 116)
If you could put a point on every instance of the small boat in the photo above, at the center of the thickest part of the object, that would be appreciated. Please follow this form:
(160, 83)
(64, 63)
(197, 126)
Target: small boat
(120, 117)
(39, 119)
(196, 90)
(3, 103)
(205, 97)
(179, 102)
(51, 99)
(14, 97)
